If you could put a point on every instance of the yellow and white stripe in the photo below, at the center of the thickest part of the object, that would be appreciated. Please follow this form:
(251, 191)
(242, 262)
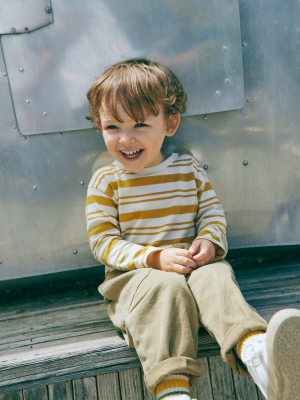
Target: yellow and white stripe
(130, 215)
(175, 384)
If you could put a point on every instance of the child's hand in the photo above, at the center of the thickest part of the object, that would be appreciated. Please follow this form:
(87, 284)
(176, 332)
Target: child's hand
(172, 260)
(203, 251)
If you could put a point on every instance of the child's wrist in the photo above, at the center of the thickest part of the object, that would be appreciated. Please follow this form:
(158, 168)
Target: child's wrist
(153, 260)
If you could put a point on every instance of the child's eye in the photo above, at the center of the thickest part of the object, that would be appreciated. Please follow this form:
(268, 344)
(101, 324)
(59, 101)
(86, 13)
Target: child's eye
(140, 125)
(112, 127)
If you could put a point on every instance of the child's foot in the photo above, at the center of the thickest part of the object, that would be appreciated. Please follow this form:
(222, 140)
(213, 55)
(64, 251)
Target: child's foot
(273, 358)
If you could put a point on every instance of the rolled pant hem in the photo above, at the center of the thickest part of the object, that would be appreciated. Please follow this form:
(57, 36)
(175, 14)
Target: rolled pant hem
(233, 335)
(170, 366)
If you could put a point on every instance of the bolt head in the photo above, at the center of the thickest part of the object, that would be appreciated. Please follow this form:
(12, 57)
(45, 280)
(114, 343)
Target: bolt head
(205, 117)
(242, 111)
(24, 137)
(81, 182)
(244, 44)
(27, 101)
(0, 262)
(34, 187)
(205, 166)
(21, 69)
(75, 251)
(13, 30)
(48, 10)
(14, 126)
(218, 93)
(248, 100)
(4, 74)
(245, 162)
(60, 133)
(225, 48)
(45, 114)
(98, 130)
(26, 29)
(227, 80)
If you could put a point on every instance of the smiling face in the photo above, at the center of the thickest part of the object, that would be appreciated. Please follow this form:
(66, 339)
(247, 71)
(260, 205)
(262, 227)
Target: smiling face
(134, 144)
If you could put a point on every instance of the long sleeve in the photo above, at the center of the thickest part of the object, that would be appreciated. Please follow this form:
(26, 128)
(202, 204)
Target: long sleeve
(210, 220)
(103, 228)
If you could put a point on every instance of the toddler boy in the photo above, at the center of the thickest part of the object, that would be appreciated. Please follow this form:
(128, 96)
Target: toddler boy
(157, 225)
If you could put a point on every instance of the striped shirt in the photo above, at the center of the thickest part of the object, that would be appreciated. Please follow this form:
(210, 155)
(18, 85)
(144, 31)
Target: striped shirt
(129, 215)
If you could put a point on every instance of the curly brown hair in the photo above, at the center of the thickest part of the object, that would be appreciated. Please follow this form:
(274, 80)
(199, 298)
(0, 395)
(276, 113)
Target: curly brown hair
(137, 84)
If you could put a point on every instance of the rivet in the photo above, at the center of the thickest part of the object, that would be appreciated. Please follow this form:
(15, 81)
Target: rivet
(24, 137)
(21, 69)
(205, 117)
(218, 93)
(244, 44)
(0, 262)
(48, 10)
(227, 80)
(81, 182)
(15, 126)
(245, 162)
(26, 29)
(45, 114)
(98, 130)
(13, 30)
(34, 187)
(224, 48)
(4, 74)
(27, 101)
(242, 111)
(205, 166)
(75, 251)
(60, 133)
(248, 100)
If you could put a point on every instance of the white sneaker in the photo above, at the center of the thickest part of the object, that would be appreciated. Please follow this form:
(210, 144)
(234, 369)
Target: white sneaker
(273, 358)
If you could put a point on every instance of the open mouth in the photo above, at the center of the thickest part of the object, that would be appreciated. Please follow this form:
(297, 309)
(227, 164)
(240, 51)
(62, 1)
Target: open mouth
(131, 154)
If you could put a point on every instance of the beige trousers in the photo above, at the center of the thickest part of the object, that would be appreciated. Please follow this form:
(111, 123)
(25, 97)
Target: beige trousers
(160, 314)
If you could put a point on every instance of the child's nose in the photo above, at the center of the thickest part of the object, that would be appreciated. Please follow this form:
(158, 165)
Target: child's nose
(126, 138)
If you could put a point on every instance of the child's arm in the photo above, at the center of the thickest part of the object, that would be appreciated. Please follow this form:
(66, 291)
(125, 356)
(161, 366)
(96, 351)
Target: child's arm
(210, 222)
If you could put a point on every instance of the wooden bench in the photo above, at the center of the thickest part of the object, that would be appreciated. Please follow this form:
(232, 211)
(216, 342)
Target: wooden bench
(48, 342)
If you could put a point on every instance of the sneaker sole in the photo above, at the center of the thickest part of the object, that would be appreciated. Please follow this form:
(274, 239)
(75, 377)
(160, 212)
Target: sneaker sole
(283, 349)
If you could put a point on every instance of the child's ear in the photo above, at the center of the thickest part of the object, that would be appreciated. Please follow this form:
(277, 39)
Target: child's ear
(173, 121)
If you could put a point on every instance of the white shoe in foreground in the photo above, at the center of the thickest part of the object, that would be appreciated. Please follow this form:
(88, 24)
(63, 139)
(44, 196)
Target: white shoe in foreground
(273, 358)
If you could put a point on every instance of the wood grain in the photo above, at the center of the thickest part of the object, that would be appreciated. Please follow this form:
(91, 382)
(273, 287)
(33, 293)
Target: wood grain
(221, 379)
(12, 396)
(36, 393)
(244, 387)
(108, 386)
(131, 384)
(85, 389)
(260, 396)
(61, 391)
(202, 389)
(146, 391)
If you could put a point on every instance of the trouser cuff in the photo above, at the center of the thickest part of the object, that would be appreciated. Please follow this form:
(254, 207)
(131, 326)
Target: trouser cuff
(235, 333)
(171, 366)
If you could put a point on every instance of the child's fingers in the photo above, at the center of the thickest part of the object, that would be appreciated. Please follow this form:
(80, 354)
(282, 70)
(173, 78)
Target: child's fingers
(186, 261)
(181, 269)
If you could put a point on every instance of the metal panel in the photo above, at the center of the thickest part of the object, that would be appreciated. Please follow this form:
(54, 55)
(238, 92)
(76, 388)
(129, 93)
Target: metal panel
(43, 227)
(19, 16)
(199, 40)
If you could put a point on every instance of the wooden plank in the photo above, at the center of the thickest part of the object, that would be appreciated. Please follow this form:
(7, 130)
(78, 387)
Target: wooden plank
(108, 386)
(61, 391)
(260, 396)
(146, 391)
(12, 396)
(202, 389)
(131, 384)
(85, 389)
(244, 387)
(221, 379)
(36, 393)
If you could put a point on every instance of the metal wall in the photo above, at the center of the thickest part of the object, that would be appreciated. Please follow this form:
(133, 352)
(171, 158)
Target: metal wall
(252, 154)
